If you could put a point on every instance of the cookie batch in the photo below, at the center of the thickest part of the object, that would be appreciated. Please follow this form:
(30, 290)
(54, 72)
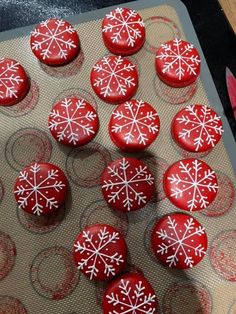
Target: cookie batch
(100, 251)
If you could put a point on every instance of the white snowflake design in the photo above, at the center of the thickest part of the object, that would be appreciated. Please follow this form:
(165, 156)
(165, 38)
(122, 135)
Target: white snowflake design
(180, 54)
(68, 122)
(114, 75)
(97, 253)
(121, 26)
(33, 187)
(206, 124)
(52, 38)
(9, 79)
(196, 181)
(133, 301)
(174, 238)
(136, 122)
(127, 186)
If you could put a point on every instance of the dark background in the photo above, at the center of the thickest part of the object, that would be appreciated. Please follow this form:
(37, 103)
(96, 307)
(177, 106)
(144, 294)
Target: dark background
(215, 35)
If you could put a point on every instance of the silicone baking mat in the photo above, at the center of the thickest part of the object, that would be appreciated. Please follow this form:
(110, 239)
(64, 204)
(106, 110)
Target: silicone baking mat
(37, 273)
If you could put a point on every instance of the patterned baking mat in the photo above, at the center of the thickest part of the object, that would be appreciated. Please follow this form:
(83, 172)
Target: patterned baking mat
(37, 273)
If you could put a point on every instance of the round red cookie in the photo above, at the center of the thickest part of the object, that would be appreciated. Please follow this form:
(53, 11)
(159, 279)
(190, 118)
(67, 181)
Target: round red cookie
(14, 83)
(178, 63)
(73, 121)
(123, 31)
(179, 241)
(114, 79)
(127, 184)
(55, 42)
(100, 252)
(40, 188)
(130, 293)
(197, 128)
(190, 184)
(134, 125)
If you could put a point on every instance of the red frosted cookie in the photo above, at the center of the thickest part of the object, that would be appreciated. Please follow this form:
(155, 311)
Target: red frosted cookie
(179, 241)
(100, 252)
(55, 42)
(123, 31)
(197, 128)
(73, 121)
(130, 293)
(127, 184)
(14, 83)
(114, 79)
(190, 184)
(178, 63)
(40, 188)
(134, 125)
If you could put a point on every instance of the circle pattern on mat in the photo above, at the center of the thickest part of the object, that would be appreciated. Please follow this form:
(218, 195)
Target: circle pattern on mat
(134, 125)
(100, 252)
(26, 146)
(179, 241)
(187, 297)
(114, 79)
(10, 305)
(53, 273)
(7, 255)
(84, 165)
(222, 254)
(190, 184)
(130, 293)
(127, 184)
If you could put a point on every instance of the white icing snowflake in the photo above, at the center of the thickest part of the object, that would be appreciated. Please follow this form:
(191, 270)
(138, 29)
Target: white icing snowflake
(119, 178)
(114, 74)
(53, 39)
(132, 301)
(180, 241)
(8, 79)
(205, 123)
(136, 120)
(36, 189)
(179, 56)
(68, 122)
(124, 26)
(96, 252)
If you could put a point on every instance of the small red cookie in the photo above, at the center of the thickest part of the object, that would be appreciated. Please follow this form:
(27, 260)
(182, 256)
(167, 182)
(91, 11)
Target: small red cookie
(123, 31)
(73, 121)
(55, 42)
(127, 184)
(40, 188)
(179, 241)
(197, 128)
(114, 79)
(100, 252)
(14, 83)
(130, 293)
(134, 125)
(178, 63)
(190, 184)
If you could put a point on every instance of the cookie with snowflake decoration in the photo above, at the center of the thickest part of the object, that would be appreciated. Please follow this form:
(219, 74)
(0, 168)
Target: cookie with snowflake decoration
(114, 79)
(130, 293)
(55, 42)
(123, 31)
(190, 184)
(179, 241)
(73, 122)
(14, 83)
(134, 125)
(100, 252)
(127, 184)
(197, 128)
(40, 188)
(178, 63)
